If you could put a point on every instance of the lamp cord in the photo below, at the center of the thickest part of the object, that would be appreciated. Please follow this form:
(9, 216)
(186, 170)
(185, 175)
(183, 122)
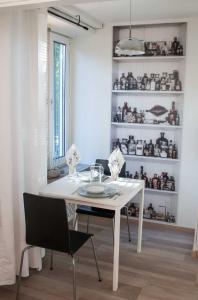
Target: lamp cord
(130, 22)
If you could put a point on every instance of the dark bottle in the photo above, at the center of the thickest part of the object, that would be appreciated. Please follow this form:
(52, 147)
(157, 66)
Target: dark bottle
(151, 210)
(162, 139)
(177, 119)
(154, 182)
(118, 144)
(130, 80)
(150, 149)
(132, 210)
(170, 149)
(146, 150)
(124, 112)
(158, 183)
(141, 172)
(123, 81)
(174, 46)
(127, 174)
(146, 180)
(174, 154)
(144, 80)
(136, 176)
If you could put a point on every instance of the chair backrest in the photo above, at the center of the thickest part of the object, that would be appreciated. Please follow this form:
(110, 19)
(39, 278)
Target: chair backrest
(46, 222)
(104, 163)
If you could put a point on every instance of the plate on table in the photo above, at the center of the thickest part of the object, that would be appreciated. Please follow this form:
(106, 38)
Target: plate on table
(98, 190)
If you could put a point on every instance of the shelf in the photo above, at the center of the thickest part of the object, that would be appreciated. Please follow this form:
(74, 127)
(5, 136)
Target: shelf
(161, 192)
(151, 221)
(149, 58)
(135, 92)
(151, 158)
(146, 126)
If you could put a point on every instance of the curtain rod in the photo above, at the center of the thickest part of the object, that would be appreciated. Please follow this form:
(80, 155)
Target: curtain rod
(55, 12)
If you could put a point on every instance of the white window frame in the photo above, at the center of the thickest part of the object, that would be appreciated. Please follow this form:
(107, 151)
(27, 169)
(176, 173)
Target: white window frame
(54, 37)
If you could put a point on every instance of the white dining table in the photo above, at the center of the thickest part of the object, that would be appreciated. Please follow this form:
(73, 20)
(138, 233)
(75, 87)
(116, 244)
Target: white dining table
(66, 188)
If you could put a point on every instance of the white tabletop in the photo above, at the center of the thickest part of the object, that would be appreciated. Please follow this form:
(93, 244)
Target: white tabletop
(66, 188)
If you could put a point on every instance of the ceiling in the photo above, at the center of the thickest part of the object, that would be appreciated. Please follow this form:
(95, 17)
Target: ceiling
(118, 10)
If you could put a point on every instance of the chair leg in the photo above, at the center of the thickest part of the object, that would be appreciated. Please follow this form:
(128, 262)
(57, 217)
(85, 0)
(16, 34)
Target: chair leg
(20, 271)
(75, 221)
(97, 266)
(127, 215)
(113, 226)
(88, 224)
(74, 278)
(51, 260)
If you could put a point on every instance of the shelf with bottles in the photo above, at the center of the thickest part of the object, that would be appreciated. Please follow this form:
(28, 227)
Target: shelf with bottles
(148, 58)
(153, 48)
(146, 126)
(161, 116)
(163, 183)
(163, 149)
(161, 191)
(164, 82)
(151, 213)
(162, 222)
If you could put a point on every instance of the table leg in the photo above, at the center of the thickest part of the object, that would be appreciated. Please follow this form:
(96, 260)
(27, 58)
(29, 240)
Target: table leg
(116, 249)
(139, 244)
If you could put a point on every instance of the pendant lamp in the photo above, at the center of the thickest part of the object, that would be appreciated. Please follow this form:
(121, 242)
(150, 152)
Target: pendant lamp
(130, 46)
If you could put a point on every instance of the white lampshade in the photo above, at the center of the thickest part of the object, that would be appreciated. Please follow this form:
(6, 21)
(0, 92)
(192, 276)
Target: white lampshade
(130, 47)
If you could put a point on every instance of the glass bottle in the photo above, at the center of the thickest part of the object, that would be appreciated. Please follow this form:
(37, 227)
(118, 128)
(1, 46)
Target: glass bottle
(177, 119)
(139, 148)
(136, 176)
(144, 80)
(152, 82)
(174, 155)
(139, 83)
(161, 139)
(118, 144)
(131, 145)
(170, 149)
(123, 81)
(130, 80)
(154, 182)
(124, 147)
(115, 86)
(124, 112)
(119, 114)
(150, 148)
(146, 150)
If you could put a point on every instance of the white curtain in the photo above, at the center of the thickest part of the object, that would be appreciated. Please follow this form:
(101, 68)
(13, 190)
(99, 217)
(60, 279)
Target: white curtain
(23, 130)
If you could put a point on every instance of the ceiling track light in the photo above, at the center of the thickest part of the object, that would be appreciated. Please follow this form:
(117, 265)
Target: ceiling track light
(131, 46)
(68, 18)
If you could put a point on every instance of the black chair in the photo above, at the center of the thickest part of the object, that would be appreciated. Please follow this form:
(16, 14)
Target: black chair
(101, 212)
(47, 227)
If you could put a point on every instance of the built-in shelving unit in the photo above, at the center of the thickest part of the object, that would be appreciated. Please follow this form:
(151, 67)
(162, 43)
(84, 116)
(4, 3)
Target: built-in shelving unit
(166, 93)
(152, 159)
(145, 100)
(147, 126)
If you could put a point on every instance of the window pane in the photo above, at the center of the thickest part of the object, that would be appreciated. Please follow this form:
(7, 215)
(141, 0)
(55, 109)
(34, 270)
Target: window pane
(59, 99)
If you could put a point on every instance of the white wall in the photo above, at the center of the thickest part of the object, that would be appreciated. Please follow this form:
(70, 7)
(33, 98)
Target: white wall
(188, 200)
(91, 93)
(92, 69)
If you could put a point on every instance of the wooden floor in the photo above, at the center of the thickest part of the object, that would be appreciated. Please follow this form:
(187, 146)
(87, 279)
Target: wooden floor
(164, 270)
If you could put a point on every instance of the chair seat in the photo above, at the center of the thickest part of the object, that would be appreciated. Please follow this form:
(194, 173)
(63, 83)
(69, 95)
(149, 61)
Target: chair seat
(94, 211)
(77, 239)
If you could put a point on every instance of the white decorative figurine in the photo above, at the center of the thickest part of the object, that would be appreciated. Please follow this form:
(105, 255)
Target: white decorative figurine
(72, 159)
(116, 161)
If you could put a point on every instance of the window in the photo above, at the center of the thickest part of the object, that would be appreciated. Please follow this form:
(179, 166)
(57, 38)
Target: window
(59, 99)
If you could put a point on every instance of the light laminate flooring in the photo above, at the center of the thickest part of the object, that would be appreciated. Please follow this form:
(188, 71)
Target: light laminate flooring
(164, 270)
